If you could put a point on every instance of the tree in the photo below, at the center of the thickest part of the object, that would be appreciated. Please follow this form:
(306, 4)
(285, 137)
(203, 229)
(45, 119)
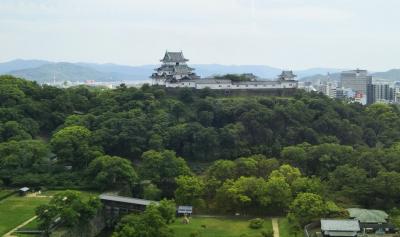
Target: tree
(10, 94)
(12, 130)
(190, 190)
(162, 168)
(387, 186)
(149, 224)
(265, 166)
(296, 155)
(167, 209)
(222, 170)
(73, 146)
(305, 208)
(26, 154)
(151, 192)
(70, 207)
(307, 185)
(289, 173)
(107, 172)
(350, 182)
(279, 193)
(246, 167)
(205, 143)
(246, 194)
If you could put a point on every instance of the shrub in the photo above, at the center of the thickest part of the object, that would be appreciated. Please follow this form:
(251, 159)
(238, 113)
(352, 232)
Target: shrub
(256, 223)
(267, 233)
(195, 234)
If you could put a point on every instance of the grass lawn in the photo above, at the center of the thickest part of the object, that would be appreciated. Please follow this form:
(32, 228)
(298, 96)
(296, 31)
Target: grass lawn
(15, 210)
(4, 192)
(217, 227)
(284, 229)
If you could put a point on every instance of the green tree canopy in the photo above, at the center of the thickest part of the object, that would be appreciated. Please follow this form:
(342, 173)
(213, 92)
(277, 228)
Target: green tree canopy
(162, 168)
(70, 207)
(149, 224)
(111, 172)
(190, 189)
(73, 146)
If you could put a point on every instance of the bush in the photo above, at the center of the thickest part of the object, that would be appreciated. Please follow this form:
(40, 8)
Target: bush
(256, 223)
(195, 234)
(267, 233)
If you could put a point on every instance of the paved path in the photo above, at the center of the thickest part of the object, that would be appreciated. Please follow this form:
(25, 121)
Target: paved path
(9, 234)
(275, 227)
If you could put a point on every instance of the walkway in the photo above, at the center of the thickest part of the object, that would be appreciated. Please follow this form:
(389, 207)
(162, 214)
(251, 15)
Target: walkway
(275, 227)
(9, 234)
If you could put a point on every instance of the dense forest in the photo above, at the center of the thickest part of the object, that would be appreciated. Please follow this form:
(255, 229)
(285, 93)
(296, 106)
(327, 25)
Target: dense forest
(221, 153)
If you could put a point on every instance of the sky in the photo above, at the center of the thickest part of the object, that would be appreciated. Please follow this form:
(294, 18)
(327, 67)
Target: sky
(290, 34)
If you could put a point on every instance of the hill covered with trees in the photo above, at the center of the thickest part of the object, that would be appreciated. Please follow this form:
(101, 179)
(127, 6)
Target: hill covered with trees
(223, 154)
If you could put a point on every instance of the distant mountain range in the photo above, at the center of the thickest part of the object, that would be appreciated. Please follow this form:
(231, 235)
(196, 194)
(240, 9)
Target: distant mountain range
(46, 71)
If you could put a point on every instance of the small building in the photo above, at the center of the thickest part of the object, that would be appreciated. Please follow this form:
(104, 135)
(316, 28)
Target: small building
(184, 210)
(23, 191)
(124, 204)
(372, 220)
(344, 228)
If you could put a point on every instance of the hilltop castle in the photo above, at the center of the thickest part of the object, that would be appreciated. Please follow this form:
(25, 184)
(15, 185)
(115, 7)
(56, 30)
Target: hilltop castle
(174, 72)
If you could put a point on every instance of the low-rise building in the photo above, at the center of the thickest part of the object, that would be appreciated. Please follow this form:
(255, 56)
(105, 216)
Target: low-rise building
(372, 220)
(343, 228)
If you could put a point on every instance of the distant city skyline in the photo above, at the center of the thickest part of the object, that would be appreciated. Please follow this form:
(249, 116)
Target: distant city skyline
(290, 34)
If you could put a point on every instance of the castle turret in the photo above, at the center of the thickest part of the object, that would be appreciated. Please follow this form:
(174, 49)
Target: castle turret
(287, 76)
(173, 69)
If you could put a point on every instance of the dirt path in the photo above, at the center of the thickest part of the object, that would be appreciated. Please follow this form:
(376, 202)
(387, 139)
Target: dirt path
(9, 234)
(275, 227)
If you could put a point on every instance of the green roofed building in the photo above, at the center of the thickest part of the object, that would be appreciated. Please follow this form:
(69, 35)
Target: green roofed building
(368, 216)
(371, 220)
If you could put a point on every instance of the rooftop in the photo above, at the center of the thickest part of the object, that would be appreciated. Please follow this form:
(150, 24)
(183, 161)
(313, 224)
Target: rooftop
(368, 216)
(340, 225)
(129, 200)
(24, 189)
(174, 57)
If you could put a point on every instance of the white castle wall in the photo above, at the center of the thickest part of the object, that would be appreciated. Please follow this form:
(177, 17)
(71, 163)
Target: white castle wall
(233, 86)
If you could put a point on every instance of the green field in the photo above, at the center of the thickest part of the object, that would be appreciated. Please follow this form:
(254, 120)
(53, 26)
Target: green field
(284, 229)
(4, 192)
(15, 210)
(217, 227)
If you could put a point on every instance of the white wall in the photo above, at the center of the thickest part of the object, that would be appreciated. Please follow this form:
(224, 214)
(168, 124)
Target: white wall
(226, 86)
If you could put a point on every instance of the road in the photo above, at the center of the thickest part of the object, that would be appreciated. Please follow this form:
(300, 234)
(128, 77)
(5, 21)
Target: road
(275, 227)
(9, 234)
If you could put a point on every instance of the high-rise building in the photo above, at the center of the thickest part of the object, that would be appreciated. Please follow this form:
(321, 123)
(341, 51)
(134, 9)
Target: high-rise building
(357, 80)
(379, 93)
(328, 88)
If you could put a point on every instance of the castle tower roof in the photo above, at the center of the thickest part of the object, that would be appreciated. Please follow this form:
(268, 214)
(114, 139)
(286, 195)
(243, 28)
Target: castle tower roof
(176, 57)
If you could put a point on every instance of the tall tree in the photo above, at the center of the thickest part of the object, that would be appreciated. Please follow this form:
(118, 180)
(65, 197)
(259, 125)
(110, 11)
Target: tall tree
(73, 146)
(111, 172)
